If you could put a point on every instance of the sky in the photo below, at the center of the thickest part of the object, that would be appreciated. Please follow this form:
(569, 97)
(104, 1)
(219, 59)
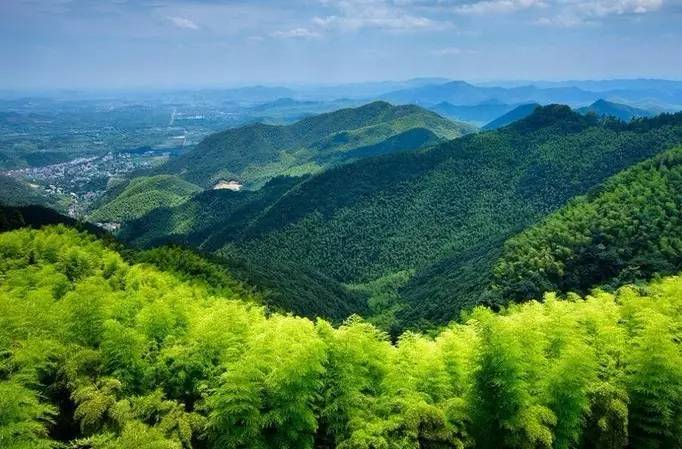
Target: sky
(115, 44)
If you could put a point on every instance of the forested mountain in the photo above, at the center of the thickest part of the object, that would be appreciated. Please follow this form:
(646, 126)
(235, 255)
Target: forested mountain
(102, 353)
(622, 112)
(256, 153)
(143, 194)
(512, 116)
(625, 231)
(435, 218)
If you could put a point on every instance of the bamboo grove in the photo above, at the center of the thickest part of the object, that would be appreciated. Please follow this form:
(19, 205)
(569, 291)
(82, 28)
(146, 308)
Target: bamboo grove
(97, 352)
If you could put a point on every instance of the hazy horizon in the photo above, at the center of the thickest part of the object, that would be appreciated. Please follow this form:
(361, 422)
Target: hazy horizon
(169, 44)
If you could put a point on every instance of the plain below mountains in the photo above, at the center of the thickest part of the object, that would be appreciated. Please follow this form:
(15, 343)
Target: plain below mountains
(255, 153)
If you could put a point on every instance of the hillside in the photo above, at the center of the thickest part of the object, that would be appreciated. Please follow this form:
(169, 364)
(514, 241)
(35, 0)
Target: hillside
(17, 193)
(625, 231)
(255, 153)
(35, 216)
(427, 213)
(143, 194)
(620, 111)
(512, 116)
(103, 353)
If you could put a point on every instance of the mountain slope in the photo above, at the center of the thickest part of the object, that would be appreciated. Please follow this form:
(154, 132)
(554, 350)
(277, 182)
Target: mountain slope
(512, 116)
(142, 195)
(256, 153)
(626, 230)
(35, 216)
(620, 111)
(17, 193)
(430, 210)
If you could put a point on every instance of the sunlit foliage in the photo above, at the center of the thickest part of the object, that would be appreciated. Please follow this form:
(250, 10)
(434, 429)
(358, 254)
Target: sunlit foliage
(99, 353)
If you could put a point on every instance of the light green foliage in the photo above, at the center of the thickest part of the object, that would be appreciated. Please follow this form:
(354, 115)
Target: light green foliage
(99, 353)
(142, 195)
(23, 417)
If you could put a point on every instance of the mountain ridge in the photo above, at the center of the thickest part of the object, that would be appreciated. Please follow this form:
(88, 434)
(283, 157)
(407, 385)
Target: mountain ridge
(255, 153)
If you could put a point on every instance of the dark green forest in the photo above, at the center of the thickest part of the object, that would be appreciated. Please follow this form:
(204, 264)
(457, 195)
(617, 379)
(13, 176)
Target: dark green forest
(100, 352)
(627, 230)
(434, 218)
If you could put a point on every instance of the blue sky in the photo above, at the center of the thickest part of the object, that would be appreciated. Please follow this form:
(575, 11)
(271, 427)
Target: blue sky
(167, 43)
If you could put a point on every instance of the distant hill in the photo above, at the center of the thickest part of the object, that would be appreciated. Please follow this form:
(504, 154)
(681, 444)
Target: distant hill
(142, 195)
(434, 218)
(478, 114)
(285, 111)
(512, 116)
(610, 109)
(463, 93)
(256, 153)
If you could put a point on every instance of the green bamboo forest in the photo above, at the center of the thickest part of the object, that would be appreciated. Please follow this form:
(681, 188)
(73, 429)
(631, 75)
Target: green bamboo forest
(99, 352)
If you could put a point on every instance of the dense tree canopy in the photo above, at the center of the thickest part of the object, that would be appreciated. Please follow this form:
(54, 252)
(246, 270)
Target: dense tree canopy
(627, 230)
(256, 153)
(141, 195)
(440, 214)
(97, 352)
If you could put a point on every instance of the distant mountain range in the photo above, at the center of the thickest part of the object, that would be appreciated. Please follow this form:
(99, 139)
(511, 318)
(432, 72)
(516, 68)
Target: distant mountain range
(601, 108)
(658, 95)
(463, 93)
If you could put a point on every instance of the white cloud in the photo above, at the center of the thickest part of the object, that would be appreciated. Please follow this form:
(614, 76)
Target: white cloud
(353, 15)
(302, 33)
(182, 22)
(603, 8)
(498, 6)
(558, 11)
(451, 51)
(585, 12)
